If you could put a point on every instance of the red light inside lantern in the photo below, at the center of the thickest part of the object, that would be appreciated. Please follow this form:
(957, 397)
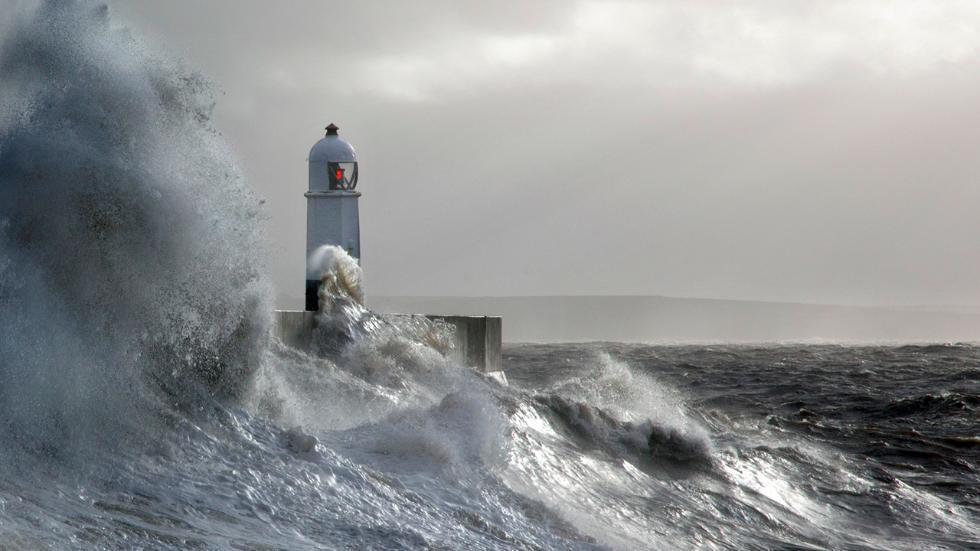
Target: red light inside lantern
(340, 174)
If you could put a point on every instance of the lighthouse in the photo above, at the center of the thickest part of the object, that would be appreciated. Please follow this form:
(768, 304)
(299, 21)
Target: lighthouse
(331, 205)
(332, 220)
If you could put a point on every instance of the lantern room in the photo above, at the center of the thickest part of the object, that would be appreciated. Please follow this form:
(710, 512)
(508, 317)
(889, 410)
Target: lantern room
(333, 163)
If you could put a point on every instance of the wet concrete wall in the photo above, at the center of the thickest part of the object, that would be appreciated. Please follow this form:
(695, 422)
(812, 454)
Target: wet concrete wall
(477, 338)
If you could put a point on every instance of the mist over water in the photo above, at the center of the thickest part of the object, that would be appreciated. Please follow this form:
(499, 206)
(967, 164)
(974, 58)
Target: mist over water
(130, 245)
(144, 404)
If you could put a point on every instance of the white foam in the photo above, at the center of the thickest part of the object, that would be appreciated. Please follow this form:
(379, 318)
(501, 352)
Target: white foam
(131, 253)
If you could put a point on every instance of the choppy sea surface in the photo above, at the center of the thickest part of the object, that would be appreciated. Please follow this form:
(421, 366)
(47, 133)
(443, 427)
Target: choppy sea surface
(144, 403)
(592, 446)
(807, 446)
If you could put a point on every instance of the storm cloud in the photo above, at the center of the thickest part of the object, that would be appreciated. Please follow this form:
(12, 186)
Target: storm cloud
(795, 151)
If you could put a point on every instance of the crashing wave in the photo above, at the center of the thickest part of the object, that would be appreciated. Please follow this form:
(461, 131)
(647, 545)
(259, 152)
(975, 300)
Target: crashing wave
(129, 240)
(599, 428)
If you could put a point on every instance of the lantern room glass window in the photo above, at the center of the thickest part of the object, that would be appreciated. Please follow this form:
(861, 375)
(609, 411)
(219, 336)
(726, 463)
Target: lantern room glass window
(343, 176)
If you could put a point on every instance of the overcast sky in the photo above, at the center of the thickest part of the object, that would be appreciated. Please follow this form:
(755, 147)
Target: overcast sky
(794, 151)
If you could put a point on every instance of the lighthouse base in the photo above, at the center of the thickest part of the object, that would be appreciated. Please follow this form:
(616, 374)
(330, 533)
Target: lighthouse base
(312, 295)
(477, 339)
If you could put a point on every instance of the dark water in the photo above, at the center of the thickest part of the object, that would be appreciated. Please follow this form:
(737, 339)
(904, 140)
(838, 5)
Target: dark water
(854, 446)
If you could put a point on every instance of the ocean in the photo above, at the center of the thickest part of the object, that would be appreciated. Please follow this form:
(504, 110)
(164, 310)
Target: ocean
(768, 447)
(592, 446)
(144, 404)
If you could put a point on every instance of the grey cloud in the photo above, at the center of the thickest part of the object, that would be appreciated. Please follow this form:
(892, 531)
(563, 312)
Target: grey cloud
(630, 164)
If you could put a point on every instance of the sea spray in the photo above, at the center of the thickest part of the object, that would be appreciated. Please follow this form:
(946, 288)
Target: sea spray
(129, 243)
(379, 347)
(340, 277)
(341, 314)
(361, 366)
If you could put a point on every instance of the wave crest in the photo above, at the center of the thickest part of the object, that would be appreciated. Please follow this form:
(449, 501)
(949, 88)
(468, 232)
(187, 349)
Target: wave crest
(128, 236)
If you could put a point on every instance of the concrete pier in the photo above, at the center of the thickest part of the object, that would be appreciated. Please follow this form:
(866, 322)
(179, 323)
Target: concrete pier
(477, 338)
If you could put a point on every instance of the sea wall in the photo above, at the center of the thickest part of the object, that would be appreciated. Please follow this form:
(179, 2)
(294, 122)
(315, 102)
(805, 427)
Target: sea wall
(294, 327)
(477, 338)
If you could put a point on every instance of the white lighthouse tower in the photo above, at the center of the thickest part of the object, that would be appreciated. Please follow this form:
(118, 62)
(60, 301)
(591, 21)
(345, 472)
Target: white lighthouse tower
(331, 205)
